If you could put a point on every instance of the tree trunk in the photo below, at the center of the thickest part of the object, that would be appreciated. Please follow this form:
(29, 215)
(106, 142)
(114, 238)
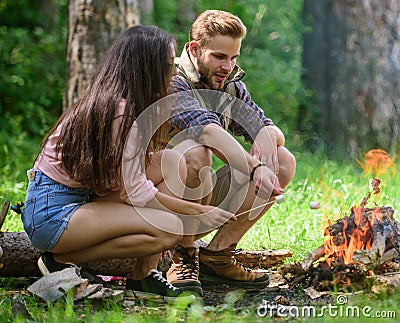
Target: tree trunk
(93, 26)
(352, 62)
(146, 8)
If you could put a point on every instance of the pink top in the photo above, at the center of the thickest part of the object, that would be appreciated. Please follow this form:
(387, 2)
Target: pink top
(137, 190)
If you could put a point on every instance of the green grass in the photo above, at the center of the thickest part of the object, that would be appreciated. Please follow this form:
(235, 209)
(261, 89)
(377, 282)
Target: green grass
(289, 225)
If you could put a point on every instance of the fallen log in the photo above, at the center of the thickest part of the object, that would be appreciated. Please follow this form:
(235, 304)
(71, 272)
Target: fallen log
(262, 258)
(20, 259)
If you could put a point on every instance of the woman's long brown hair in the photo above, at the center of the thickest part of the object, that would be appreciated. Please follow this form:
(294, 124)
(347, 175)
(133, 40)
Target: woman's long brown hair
(136, 68)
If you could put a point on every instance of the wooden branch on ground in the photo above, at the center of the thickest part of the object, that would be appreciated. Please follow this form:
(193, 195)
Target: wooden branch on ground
(389, 256)
(3, 212)
(262, 258)
(386, 283)
(312, 257)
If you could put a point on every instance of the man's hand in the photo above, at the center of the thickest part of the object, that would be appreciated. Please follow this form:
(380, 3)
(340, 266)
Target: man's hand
(266, 183)
(266, 153)
(265, 149)
(265, 146)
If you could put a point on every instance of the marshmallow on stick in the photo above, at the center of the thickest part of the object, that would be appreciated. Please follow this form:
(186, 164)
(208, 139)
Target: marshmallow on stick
(314, 205)
(279, 198)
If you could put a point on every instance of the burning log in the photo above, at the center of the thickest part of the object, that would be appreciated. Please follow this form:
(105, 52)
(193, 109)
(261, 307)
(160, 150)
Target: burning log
(364, 236)
(365, 243)
(368, 236)
(367, 239)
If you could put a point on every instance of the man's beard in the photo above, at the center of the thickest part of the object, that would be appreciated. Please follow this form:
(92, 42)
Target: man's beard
(206, 75)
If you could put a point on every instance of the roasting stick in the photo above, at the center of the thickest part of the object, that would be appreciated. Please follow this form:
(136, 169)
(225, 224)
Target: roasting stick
(279, 199)
(255, 208)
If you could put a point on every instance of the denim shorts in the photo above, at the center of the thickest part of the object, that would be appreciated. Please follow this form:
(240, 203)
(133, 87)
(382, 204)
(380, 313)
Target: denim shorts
(48, 208)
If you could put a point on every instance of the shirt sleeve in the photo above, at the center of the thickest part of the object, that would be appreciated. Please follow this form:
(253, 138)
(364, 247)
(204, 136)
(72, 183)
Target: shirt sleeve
(137, 189)
(249, 118)
(193, 109)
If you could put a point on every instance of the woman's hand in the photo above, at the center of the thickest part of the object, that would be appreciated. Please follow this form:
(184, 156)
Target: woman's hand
(215, 217)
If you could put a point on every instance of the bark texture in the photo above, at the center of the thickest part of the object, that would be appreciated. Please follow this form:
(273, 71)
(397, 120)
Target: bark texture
(352, 63)
(93, 26)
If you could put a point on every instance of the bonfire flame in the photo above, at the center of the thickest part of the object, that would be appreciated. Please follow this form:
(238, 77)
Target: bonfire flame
(356, 233)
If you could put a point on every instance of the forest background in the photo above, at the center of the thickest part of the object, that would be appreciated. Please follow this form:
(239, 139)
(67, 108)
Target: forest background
(313, 66)
(33, 39)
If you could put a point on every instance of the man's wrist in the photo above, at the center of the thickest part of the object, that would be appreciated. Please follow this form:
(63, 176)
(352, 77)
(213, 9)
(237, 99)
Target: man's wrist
(254, 170)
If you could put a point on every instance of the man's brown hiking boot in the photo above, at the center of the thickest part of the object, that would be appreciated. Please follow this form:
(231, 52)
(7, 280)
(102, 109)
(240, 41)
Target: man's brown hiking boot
(184, 271)
(221, 267)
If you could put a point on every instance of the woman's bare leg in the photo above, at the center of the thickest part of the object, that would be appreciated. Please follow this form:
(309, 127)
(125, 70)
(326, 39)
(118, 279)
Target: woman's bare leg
(108, 230)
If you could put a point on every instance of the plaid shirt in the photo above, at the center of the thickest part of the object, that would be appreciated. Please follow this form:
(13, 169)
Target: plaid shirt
(194, 107)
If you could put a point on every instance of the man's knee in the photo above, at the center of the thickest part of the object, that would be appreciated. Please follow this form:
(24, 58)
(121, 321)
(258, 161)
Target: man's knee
(197, 158)
(174, 162)
(287, 166)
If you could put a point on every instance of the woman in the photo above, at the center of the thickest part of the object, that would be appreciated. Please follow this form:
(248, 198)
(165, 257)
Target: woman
(81, 158)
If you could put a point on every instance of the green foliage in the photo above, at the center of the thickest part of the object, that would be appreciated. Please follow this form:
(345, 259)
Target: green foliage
(32, 77)
(31, 63)
(172, 16)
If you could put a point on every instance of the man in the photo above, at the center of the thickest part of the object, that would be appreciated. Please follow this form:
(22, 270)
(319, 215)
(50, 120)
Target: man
(250, 180)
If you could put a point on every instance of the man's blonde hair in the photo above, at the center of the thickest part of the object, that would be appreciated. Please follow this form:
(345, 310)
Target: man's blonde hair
(212, 23)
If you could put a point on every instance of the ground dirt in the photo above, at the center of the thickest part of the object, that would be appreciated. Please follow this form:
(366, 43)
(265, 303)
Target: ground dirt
(277, 293)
